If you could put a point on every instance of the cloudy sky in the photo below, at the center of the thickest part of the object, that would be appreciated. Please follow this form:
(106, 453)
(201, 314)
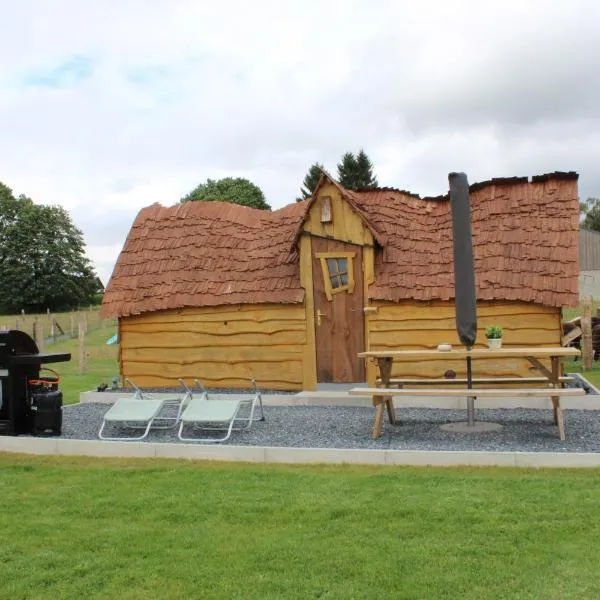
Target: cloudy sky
(110, 105)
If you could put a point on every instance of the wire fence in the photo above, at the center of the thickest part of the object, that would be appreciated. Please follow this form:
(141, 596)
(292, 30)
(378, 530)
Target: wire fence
(48, 328)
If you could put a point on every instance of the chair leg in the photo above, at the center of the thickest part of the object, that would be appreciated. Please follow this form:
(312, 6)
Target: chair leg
(124, 439)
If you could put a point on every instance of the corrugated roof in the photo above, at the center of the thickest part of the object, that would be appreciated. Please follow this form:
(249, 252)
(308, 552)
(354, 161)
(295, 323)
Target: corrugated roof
(212, 253)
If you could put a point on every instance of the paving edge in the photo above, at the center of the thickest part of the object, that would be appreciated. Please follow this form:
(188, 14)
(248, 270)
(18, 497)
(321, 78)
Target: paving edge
(589, 402)
(262, 454)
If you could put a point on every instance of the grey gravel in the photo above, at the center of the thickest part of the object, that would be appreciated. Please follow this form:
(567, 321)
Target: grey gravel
(526, 430)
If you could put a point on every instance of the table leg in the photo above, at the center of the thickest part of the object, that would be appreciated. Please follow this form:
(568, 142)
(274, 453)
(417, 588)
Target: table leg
(560, 423)
(385, 373)
(556, 409)
(558, 417)
(553, 376)
(389, 403)
(378, 401)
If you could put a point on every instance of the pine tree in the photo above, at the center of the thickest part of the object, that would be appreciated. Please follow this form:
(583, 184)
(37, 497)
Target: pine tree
(366, 179)
(347, 171)
(356, 172)
(310, 181)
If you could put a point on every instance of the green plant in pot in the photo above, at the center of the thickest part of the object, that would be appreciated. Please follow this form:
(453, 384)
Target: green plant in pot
(494, 336)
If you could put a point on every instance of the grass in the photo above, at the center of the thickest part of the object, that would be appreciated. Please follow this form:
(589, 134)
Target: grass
(572, 312)
(575, 366)
(101, 363)
(67, 321)
(101, 528)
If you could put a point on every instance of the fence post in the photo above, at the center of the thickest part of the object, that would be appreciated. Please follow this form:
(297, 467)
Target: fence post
(82, 361)
(587, 346)
(38, 334)
(72, 323)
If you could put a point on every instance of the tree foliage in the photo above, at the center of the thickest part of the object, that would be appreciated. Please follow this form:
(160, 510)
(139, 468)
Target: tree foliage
(235, 190)
(355, 172)
(590, 209)
(310, 181)
(42, 258)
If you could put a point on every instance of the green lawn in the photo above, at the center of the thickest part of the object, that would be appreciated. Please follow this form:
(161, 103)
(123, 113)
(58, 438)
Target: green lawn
(102, 363)
(100, 528)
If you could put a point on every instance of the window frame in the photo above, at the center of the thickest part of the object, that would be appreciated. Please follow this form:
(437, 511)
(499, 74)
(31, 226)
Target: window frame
(330, 291)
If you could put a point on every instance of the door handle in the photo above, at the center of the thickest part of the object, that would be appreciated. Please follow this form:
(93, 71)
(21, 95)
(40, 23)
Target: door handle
(319, 315)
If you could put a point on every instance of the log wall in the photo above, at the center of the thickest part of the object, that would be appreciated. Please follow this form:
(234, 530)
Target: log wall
(424, 325)
(221, 346)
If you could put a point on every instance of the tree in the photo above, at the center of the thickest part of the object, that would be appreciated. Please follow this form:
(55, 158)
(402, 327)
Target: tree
(42, 257)
(310, 181)
(591, 211)
(355, 172)
(235, 190)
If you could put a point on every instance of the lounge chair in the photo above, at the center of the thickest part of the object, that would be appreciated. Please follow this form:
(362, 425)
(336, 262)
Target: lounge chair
(202, 414)
(144, 412)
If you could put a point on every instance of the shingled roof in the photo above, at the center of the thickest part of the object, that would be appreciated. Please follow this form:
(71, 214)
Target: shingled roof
(206, 254)
(525, 239)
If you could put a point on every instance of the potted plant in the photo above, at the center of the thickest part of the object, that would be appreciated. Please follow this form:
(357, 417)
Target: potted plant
(494, 336)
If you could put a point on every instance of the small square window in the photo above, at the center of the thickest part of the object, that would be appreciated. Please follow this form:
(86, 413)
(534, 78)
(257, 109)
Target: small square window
(337, 274)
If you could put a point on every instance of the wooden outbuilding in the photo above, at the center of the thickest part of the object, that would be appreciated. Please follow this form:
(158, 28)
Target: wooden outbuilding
(226, 293)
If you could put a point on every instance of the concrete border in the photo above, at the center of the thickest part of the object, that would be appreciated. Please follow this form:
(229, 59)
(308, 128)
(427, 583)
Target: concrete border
(267, 454)
(264, 454)
(322, 398)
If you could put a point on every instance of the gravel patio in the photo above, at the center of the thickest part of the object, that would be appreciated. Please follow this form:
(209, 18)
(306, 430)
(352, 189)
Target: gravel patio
(349, 427)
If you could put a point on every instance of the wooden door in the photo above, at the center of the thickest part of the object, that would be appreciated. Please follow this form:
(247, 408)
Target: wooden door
(339, 316)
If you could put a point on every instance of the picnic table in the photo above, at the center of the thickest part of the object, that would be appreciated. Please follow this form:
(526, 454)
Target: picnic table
(551, 379)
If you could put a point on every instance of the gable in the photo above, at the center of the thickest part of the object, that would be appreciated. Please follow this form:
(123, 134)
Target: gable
(331, 216)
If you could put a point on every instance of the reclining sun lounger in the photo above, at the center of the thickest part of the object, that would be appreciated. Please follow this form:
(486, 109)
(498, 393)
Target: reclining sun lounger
(142, 412)
(202, 414)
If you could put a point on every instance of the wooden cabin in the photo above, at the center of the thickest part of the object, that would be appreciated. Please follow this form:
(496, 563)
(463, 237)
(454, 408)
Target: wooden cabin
(226, 293)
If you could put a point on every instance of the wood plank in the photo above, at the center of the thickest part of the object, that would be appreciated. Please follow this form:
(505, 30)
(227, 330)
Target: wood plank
(155, 380)
(460, 353)
(480, 393)
(447, 325)
(198, 340)
(571, 336)
(290, 372)
(586, 338)
(475, 380)
(370, 311)
(222, 328)
(426, 338)
(252, 312)
(306, 281)
(420, 310)
(223, 355)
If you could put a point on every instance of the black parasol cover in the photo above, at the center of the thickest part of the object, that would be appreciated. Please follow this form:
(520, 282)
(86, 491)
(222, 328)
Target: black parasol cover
(464, 268)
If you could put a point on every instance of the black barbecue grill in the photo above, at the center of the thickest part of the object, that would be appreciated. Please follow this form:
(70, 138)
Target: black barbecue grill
(27, 405)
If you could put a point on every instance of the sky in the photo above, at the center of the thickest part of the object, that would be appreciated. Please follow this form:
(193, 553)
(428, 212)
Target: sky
(108, 106)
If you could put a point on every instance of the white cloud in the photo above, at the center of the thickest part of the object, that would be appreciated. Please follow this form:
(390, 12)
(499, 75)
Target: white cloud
(110, 106)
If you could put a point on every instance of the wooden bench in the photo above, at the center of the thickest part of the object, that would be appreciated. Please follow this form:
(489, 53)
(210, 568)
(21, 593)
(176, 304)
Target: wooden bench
(383, 396)
(476, 381)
